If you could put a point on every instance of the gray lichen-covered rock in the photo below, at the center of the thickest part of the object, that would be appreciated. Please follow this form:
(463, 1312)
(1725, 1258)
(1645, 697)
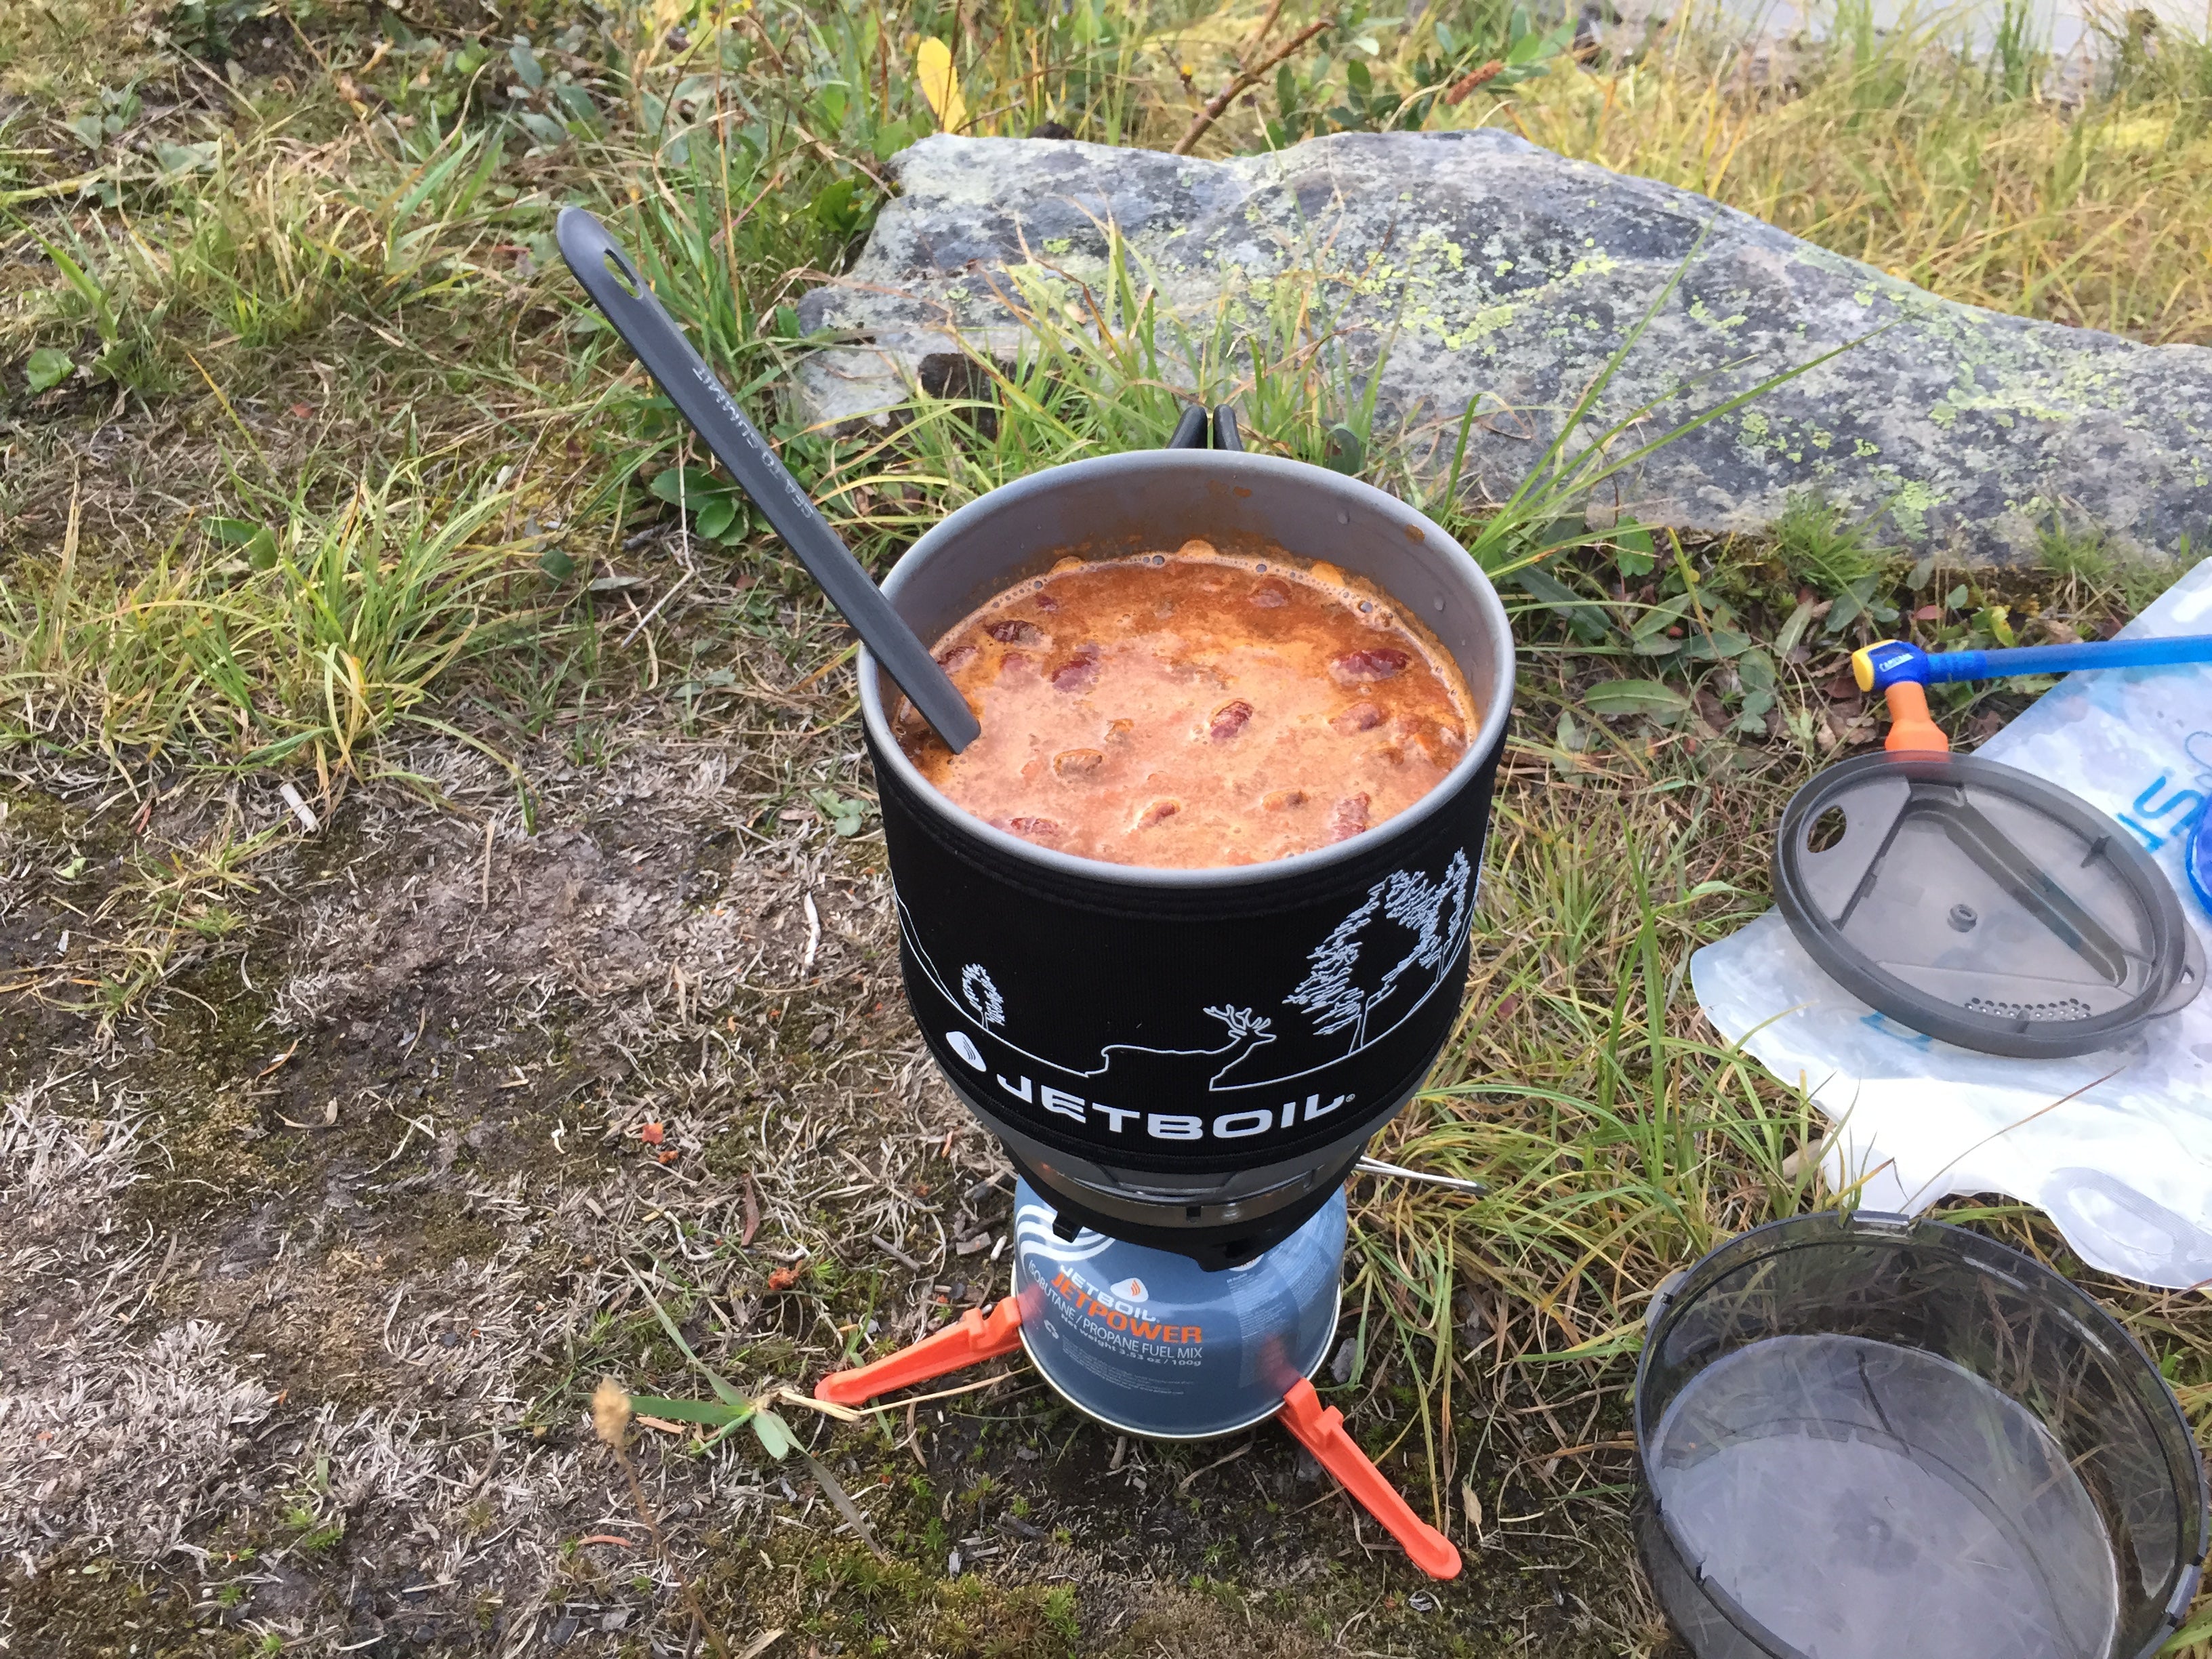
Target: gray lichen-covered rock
(1496, 271)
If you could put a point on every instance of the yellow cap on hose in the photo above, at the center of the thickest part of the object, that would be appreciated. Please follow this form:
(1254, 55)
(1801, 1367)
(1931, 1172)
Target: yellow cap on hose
(1863, 663)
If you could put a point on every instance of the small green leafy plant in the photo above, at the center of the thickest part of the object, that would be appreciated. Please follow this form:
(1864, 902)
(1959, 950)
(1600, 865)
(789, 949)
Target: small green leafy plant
(213, 28)
(846, 814)
(108, 120)
(716, 506)
(550, 105)
(730, 1409)
(47, 369)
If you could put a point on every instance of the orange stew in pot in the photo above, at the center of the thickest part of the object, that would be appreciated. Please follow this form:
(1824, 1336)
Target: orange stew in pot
(1193, 709)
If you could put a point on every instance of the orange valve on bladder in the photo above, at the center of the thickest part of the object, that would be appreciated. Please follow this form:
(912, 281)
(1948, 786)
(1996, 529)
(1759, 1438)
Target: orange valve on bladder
(1320, 1429)
(1910, 725)
(972, 1339)
(1901, 672)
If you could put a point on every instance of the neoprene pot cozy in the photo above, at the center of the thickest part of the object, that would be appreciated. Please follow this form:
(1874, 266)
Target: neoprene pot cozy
(1190, 1058)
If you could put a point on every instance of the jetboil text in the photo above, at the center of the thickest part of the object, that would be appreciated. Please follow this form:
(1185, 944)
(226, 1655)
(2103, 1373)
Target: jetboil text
(1170, 1126)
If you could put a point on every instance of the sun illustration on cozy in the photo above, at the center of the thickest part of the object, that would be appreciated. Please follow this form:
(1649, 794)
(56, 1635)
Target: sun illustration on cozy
(977, 991)
(1377, 964)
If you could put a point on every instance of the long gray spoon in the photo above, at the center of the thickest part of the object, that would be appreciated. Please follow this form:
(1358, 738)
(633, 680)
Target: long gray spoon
(618, 291)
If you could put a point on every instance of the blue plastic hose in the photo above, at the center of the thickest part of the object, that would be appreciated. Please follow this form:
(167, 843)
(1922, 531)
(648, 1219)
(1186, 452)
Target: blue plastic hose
(1892, 662)
(2064, 659)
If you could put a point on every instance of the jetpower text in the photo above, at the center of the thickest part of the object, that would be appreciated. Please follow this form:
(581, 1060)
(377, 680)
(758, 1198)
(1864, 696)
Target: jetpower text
(1123, 1326)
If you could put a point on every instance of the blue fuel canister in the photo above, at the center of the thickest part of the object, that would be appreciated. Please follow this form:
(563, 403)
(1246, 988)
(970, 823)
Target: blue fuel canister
(1148, 1342)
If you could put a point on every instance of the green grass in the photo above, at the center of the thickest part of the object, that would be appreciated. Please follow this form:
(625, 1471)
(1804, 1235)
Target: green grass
(1619, 1139)
(1955, 172)
(300, 642)
(1820, 550)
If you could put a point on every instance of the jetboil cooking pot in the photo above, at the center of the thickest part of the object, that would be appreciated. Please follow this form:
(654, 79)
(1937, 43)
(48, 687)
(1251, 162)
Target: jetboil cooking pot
(1190, 1059)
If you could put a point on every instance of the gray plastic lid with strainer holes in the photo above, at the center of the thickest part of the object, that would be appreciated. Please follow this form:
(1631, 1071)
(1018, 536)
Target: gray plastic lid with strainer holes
(1982, 905)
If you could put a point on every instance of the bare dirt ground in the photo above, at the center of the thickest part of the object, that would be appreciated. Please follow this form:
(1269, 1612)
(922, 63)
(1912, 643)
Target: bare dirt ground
(312, 1259)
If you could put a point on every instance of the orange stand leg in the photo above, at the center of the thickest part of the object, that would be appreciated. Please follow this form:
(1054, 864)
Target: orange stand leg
(1321, 1431)
(970, 1339)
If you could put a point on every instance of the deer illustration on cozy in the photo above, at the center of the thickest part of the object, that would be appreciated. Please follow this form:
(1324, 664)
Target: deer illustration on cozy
(1142, 1073)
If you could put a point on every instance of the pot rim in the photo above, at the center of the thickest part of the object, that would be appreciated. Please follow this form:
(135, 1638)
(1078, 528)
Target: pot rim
(1497, 697)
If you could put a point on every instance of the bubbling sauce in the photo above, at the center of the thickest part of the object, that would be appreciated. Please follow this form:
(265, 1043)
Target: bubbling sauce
(1193, 709)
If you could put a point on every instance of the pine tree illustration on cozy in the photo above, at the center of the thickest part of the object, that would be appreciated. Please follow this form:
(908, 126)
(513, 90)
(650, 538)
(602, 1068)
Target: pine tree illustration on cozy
(1347, 985)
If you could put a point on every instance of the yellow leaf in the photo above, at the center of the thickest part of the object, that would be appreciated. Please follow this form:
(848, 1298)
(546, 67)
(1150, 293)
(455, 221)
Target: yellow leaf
(940, 85)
